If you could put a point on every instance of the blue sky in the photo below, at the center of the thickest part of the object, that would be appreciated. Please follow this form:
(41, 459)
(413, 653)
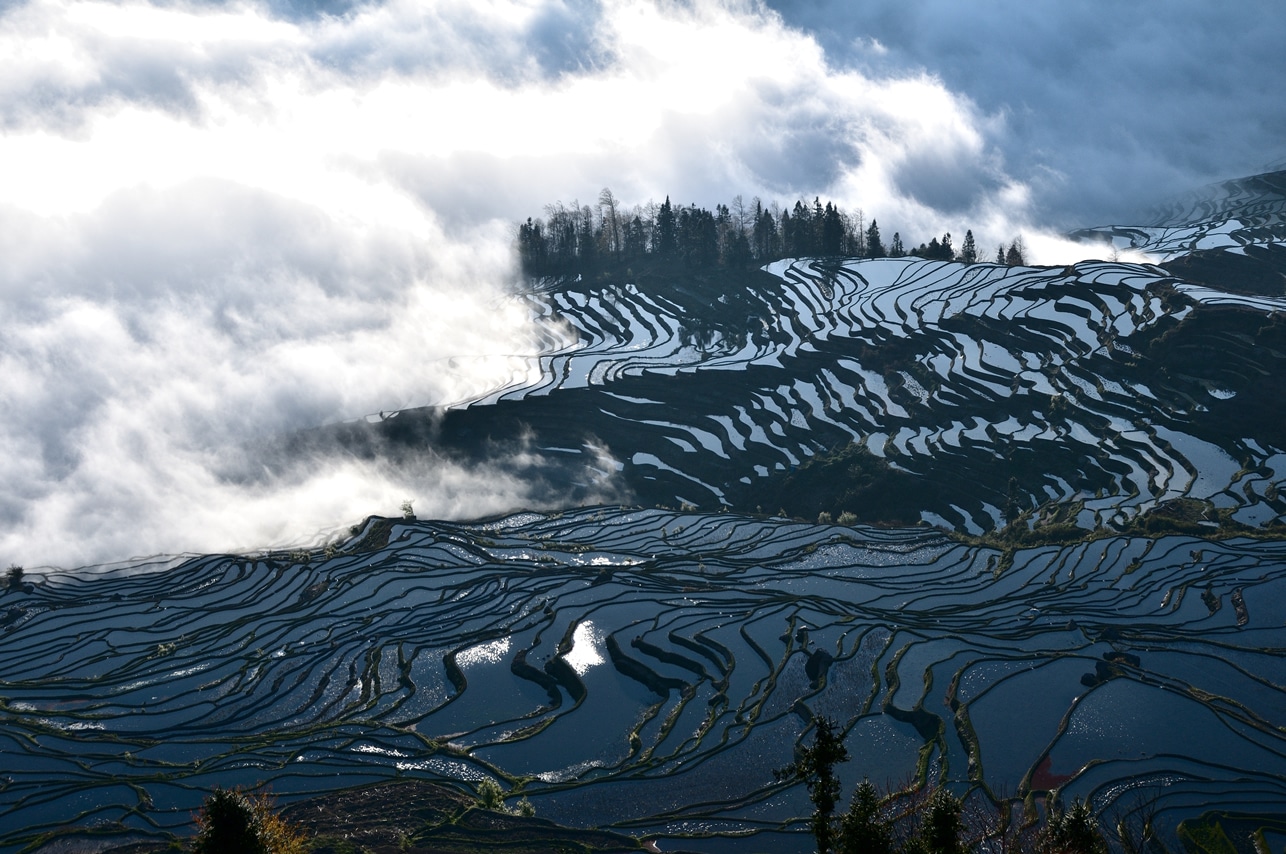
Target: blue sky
(225, 221)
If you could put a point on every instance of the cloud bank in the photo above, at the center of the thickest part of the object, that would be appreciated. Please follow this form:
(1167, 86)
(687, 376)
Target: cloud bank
(223, 222)
(1107, 107)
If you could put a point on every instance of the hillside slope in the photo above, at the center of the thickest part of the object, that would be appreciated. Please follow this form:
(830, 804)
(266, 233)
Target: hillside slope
(902, 390)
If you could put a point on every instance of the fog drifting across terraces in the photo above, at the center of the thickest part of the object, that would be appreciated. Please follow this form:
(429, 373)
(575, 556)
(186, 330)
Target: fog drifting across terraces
(220, 223)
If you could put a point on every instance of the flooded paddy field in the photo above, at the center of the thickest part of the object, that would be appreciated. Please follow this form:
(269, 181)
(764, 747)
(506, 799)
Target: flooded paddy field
(646, 671)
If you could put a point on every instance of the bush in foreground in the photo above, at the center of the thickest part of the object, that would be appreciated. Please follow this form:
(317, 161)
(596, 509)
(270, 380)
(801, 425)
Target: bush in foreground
(234, 821)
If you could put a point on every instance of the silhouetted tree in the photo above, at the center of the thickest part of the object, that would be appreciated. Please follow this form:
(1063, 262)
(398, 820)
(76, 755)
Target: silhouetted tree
(666, 233)
(765, 235)
(832, 231)
(1014, 257)
(863, 830)
(938, 251)
(969, 250)
(854, 233)
(587, 239)
(940, 826)
(635, 239)
(531, 247)
(897, 250)
(230, 820)
(741, 215)
(698, 237)
(737, 252)
(818, 223)
(874, 246)
(723, 228)
(560, 237)
(1074, 831)
(797, 231)
(786, 233)
(815, 767)
(611, 222)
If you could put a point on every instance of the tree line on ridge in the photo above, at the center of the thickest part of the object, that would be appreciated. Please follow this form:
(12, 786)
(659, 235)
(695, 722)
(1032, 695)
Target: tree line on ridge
(579, 239)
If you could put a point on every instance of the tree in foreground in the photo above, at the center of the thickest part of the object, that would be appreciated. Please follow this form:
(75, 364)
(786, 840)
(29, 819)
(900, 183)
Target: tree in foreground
(1074, 831)
(863, 830)
(233, 821)
(941, 828)
(933, 821)
(815, 767)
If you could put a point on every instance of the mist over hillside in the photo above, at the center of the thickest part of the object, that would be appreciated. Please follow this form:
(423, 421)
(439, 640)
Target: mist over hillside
(1015, 530)
(981, 397)
(224, 223)
(922, 370)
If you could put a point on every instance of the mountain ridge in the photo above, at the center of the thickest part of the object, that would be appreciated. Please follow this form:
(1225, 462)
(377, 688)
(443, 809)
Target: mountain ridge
(981, 392)
(1096, 438)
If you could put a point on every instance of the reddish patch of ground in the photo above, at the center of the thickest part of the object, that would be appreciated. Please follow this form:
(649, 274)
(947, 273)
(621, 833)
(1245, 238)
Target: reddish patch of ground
(1045, 779)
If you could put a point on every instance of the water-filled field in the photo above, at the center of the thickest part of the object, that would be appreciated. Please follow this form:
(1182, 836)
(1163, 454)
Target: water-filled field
(966, 394)
(646, 670)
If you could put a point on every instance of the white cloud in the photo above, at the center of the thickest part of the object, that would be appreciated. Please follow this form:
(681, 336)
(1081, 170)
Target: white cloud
(218, 226)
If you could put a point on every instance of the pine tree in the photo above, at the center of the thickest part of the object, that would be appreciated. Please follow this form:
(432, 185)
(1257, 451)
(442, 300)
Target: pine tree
(862, 829)
(1014, 257)
(765, 236)
(635, 239)
(724, 229)
(940, 827)
(815, 767)
(1072, 832)
(897, 250)
(698, 237)
(832, 231)
(819, 224)
(531, 247)
(587, 237)
(874, 247)
(969, 251)
(737, 253)
(667, 242)
(799, 238)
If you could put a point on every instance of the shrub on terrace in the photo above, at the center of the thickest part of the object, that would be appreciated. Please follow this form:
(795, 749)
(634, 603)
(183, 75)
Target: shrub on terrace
(234, 821)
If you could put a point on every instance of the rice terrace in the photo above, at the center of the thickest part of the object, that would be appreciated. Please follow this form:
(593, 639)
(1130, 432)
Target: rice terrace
(1014, 529)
